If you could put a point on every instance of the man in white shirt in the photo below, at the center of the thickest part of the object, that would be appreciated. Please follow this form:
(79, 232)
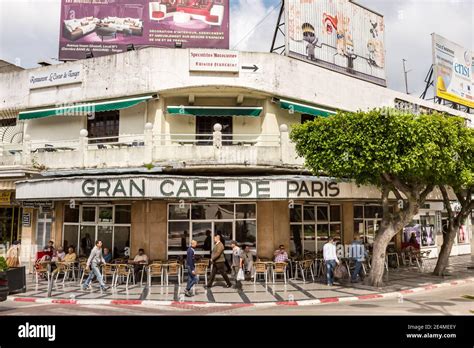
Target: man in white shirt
(140, 260)
(330, 258)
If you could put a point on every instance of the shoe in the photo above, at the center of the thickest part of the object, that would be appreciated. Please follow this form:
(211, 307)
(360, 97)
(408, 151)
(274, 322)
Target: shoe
(354, 281)
(228, 286)
(207, 286)
(86, 287)
(104, 288)
(187, 293)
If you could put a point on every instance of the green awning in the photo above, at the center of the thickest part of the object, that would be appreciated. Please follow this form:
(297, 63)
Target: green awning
(83, 109)
(215, 110)
(305, 109)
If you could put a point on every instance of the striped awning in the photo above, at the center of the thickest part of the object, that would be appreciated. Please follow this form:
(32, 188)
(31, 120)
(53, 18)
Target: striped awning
(215, 110)
(305, 109)
(83, 109)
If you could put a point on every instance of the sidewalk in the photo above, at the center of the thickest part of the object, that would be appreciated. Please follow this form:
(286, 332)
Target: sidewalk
(296, 292)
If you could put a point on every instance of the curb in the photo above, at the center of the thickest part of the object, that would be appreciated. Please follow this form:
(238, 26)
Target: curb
(193, 305)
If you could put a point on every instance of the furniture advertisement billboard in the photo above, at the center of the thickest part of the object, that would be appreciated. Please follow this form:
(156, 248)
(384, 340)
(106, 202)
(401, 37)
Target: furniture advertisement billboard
(453, 69)
(110, 26)
(339, 35)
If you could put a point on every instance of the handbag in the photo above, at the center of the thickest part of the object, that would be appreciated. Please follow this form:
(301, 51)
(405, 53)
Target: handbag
(240, 274)
(338, 273)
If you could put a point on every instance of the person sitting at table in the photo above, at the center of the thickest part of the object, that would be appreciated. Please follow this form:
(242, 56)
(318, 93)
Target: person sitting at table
(107, 255)
(280, 254)
(140, 260)
(50, 247)
(58, 255)
(71, 255)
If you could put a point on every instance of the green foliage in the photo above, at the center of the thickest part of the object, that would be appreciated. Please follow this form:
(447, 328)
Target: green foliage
(149, 166)
(3, 264)
(421, 149)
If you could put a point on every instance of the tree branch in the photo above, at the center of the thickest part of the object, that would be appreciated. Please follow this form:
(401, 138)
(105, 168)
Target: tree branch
(426, 192)
(446, 200)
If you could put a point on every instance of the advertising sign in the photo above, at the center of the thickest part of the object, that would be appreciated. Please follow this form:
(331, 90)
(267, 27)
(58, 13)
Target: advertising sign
(61, 76)
(213, 60)
(5, 197)
(339, 35)
(109, 26)
(453, 71)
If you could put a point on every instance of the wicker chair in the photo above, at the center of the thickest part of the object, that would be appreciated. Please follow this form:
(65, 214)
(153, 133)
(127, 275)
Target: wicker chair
(64, 268)
(108, 270)
(305, 266)
(85, 271)
(279, 268)
(41, 269)
(174, 270)
(260, 268)
(154, 270)
(122, 271)
(201, 269)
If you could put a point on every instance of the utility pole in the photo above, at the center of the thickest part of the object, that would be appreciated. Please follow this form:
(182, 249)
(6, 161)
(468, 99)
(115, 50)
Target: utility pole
(405, 72)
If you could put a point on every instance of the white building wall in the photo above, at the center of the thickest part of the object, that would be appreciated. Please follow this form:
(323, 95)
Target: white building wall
(55, 128)
(132, 120)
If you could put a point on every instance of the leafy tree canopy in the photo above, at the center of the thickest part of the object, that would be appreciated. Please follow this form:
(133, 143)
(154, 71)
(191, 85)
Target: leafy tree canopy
(431, 149)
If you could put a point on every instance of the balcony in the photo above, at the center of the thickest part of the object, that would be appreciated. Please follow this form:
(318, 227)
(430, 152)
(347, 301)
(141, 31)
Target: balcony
(164, 150)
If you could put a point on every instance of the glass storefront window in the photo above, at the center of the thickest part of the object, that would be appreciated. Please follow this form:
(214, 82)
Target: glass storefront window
(88, 213)
(122, 242)
(225, 229)
(202, 234)
(296, 239)
(309, 213)
(212, 212)
(105, 214)
(178, 236)
(367, 220)
(177, 212)
(71, 236)
(71, 215)
(323, 213)
(123, 214)
(245, 211)
(104, 233)
(87, 240)
(246, 233)
(358, 212)
(295, 213)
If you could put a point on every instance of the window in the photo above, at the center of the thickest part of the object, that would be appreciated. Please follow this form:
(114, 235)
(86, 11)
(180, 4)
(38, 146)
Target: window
(104, 125)
(205, 128)
(367, 220)
(111, 224)
(202, 221)
(43, 230)
(311, 226)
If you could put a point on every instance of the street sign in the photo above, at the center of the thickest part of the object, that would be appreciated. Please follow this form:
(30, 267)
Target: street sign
(26, 220)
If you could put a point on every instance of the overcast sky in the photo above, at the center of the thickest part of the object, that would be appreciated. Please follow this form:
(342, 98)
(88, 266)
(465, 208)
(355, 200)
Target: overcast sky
(29, 31)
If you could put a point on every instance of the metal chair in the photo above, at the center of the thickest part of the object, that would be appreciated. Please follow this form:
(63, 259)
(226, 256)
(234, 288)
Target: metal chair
(260, 268)
(174, 270)
(279, 268)
(305, 266)
(122, 271)
(154, 270)
(108, 270)
(41, 268)
(201, 269)
(63, 268)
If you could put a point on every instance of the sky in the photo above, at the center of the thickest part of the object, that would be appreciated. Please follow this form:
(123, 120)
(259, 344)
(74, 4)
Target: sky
(29, 31)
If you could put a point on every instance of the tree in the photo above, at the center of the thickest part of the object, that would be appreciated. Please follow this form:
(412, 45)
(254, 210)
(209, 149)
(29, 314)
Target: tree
(461, 181)
(401, 153)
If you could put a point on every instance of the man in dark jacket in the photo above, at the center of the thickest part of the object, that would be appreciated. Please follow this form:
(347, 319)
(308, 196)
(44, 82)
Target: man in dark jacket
(218, 262)
(191, 269)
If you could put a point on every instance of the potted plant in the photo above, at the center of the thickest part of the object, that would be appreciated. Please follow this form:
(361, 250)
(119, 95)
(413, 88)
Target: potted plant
(16, 277)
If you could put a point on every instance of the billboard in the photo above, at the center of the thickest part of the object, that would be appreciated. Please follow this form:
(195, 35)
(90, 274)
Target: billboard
(339, 35)
(453, 71)
(109, 26)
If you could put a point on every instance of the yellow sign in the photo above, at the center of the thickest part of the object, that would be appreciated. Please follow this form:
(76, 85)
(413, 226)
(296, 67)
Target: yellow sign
(5, 197)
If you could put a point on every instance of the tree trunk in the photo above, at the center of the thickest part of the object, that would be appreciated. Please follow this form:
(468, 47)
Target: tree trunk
(378, 255)
(443, 257)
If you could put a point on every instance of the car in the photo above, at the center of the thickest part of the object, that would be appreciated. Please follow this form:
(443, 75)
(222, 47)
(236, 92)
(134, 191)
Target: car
(3, 286)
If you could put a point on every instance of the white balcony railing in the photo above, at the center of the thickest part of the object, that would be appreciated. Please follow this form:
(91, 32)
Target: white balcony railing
(134, 150)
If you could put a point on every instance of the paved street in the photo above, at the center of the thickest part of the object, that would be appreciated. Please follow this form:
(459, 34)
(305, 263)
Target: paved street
(444, 301)
(399, 279)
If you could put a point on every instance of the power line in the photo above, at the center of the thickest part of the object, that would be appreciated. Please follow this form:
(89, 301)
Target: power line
(255, 27)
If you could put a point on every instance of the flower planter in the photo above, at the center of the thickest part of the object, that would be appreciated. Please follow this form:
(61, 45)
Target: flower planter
(16, 279)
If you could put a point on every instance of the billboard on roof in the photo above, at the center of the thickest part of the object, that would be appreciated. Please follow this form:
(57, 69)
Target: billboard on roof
(109, 26)
(338, 35)
(453, 71)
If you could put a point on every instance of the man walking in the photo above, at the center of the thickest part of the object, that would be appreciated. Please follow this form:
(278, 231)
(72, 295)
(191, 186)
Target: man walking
(95, 260)
(191, 269)
(358, 254)
(330, 258)
(218, 263)
(237, 263)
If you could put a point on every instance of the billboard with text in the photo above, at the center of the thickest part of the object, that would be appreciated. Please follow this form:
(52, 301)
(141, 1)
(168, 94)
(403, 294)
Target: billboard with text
(453, 71)
(339, 35)
(109, 26)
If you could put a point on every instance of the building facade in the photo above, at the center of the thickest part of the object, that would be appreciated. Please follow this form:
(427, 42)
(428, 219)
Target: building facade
(143, 150)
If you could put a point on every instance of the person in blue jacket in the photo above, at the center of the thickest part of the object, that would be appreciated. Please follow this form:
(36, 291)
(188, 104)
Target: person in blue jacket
(192, 280)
